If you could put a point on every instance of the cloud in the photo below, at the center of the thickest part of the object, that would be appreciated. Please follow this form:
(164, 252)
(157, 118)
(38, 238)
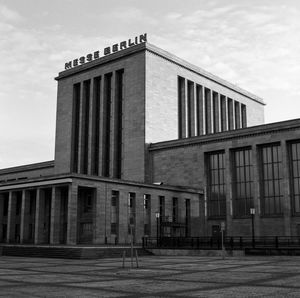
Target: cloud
(8, 14)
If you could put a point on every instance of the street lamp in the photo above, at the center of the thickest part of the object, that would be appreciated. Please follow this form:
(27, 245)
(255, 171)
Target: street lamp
(252, 212)
(157, 215)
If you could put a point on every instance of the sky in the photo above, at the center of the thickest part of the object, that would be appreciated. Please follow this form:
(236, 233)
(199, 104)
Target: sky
(253, 44)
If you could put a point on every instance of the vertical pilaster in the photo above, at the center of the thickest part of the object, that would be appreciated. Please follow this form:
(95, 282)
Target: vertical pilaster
(11, 217)
(24, 225)
(72, 214)
(226, 125)
(228, 180)
(39, 217)
(123, 217)
(99, 235)
(286, 200)
(55, 216)
(256, 186)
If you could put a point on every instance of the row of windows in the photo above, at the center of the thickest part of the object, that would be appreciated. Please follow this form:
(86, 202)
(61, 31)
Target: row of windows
(270, 177)
(84, 122)
(203, 111)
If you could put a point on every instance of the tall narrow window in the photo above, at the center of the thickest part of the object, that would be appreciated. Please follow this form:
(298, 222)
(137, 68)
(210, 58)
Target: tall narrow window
(242, 182)
(106, 125)
(294, 154)
(5, 204)
(216, 185)
(96, 126)
(237, 114)
(191, 109)
(162, 209)
(244, 116)
(18, 202)
(230, 114)
(181, 108)
(85, 126)
(272, 193)
(147, 214)
(75, 126)
(187, 217)
(131, 211)
(118, 124)
(223, 113)
(114, 219)
(216, 111)
(208, 108)
(175, 209)
(199, 112)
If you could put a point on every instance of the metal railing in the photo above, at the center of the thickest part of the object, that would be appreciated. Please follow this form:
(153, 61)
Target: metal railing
(230, 242)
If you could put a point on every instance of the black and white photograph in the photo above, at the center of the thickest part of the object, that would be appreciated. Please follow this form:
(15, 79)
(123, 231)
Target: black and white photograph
(149, 148)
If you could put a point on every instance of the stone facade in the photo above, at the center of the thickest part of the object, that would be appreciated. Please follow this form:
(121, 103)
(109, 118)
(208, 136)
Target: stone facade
(134, 131)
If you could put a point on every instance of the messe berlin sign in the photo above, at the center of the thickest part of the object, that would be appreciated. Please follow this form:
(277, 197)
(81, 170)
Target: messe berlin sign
(106, 51)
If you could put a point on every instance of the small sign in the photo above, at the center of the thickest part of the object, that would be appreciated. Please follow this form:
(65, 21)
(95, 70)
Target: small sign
(223, 225)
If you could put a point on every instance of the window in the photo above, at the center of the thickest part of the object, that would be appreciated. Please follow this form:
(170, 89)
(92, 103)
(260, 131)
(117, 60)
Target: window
(147, 199)
(216, 185)
(187, 217)
(175, 209)
(271, 157)
(114, 198)
(5, 205)
(294, 154)
(18, 203)
(181, 108)
(242, 182)
(113, 228)
(114, 215)
(161, 207)
(131, 210)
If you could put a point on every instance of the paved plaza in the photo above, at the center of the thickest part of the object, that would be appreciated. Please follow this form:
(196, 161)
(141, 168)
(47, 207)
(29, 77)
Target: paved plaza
(155, 277)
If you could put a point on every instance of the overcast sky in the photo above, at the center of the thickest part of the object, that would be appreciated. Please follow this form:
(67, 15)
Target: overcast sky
(254, 44)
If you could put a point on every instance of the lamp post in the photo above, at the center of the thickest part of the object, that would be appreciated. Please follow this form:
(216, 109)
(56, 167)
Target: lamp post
(157, 215)
(252, 212)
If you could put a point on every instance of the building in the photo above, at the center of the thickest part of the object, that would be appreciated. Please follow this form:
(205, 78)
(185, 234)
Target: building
(140, 133)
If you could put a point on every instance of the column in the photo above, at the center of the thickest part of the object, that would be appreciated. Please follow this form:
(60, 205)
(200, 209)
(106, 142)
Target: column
(72, 214)
(228, 180)
(101, 130)
(80, 125)
(286, 200)
(99, 222)
(39, 217)
(11, 217)
(123, 217)
(24, 225)
(257, 191)
(55, 216)
(113, 127)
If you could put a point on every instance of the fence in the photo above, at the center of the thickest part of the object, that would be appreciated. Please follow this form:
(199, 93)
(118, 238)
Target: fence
(230, 242)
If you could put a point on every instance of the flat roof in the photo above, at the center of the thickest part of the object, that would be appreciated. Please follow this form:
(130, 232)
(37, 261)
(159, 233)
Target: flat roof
(251, 131)
(162, 53)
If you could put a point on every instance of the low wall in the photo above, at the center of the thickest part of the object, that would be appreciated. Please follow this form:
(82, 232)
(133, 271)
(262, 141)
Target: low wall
(198, 252)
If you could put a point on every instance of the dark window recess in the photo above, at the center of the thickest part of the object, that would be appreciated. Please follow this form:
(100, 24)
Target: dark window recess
(75, 126)
(223, 113)
(244, 115)
(147, 199)
(106, 125)
(181, 108)
(230, 113)
(162, 208)
(242, 182)
(85, 126)
(208, 107)
(18, 203)
(5, 204)
(199, 112)
(114, 198)
(113, 228)
(118, 117)
(216, 194)
(237, 114)
(175, 209)
(216, 111)
(272, 193)
(187, 217)
(190, 110)
(96, 126)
